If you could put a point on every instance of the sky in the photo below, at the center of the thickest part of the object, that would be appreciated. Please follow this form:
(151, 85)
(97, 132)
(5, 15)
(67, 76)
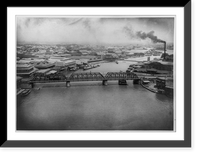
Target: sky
(95, 30)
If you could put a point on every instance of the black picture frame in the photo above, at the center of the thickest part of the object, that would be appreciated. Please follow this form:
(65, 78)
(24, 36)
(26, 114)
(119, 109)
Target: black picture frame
(4, 142)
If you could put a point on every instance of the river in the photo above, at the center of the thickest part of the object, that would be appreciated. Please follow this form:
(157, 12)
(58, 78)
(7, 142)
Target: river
(91, 106)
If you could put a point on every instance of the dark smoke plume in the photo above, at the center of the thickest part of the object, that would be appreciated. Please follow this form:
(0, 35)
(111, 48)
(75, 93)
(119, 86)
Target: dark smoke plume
(149, 35)
(141, 35)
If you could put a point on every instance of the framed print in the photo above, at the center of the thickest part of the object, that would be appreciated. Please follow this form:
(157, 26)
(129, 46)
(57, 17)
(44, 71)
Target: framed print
(98, 77)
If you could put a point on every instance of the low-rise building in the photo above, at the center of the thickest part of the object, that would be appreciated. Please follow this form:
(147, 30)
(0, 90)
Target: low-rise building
(70, 62)
(25, 70)
(41, 72)
(165, 66)
(110, 56)
(22, 61)
(19, 82)
(165, 84)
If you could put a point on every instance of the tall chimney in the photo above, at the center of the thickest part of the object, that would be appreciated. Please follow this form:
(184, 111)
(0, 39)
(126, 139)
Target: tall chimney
(164, 49)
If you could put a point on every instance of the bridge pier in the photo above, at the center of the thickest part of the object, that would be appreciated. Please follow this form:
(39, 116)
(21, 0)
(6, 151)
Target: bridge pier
(32, 85)
(105, 82)
(67, 83)
(122, 82)
(136, 81)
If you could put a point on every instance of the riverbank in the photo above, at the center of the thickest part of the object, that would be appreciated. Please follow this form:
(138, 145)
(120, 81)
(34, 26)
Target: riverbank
(142, 59)
(150, 87)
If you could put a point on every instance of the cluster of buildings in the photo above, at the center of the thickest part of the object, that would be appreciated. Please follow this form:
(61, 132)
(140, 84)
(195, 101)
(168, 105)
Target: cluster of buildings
(152, 67)
(75, 50)
(31, 58)
(165, 84)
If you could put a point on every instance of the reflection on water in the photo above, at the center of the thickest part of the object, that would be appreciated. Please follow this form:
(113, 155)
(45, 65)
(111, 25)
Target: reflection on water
(91, 106)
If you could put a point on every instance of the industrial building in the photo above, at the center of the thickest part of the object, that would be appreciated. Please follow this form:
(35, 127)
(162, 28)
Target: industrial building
(25, 70)
(166, 66)
(165, 84)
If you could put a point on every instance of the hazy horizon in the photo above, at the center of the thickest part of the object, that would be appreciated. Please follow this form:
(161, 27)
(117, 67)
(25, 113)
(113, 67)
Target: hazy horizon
(95, 30)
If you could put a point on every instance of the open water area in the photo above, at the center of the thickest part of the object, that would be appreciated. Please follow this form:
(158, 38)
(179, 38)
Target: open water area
(92, 106)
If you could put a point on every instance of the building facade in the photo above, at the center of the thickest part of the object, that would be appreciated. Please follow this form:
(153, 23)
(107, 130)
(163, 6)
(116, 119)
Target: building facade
(25, 70)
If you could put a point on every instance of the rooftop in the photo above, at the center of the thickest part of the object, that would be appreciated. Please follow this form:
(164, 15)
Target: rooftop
(24, 66)
(43, 71)
(19, 78)
(139, 64)
(23, 61)
(70, 61)
(159, 62)
(51, 72)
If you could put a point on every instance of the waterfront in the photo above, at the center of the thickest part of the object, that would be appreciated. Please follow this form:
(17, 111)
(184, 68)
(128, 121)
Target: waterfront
(91, 106)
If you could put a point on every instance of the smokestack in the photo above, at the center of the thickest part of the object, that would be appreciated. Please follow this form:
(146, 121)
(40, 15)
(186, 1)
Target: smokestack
(164, 49)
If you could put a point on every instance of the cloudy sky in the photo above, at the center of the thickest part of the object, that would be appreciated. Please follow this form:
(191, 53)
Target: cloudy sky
(95, 30)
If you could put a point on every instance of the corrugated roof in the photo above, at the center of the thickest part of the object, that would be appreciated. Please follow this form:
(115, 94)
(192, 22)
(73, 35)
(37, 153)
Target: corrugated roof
(51, 72)
(43, 71)
(24, 66)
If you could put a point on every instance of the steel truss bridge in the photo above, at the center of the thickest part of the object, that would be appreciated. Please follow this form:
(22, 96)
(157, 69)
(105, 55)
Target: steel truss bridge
(90, 76)
(97, 76)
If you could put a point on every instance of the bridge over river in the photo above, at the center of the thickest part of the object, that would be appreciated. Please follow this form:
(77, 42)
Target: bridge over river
(89, 76)
(92, 76)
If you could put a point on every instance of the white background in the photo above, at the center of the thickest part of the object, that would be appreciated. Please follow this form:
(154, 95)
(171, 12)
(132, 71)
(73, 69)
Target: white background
(178, 134)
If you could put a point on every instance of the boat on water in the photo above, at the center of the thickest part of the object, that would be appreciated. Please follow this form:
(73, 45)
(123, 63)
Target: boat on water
(94, 60)
(145, 81)
(25, 92)
(116, 62)
(96, 65)
(90, 66)
(87, 67)
(20, 91)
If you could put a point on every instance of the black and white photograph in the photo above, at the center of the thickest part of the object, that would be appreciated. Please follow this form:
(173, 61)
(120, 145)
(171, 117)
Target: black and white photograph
(95, 73)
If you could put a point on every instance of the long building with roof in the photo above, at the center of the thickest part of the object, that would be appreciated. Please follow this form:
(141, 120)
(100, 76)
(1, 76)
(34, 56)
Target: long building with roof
(25, 70)
(166, 66)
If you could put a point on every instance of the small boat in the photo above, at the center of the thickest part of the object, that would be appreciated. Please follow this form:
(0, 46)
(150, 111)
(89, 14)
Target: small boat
(87, 66)
(96, 65)
(20, 91)
(116, 62)
(25, 92)
(145, 81)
